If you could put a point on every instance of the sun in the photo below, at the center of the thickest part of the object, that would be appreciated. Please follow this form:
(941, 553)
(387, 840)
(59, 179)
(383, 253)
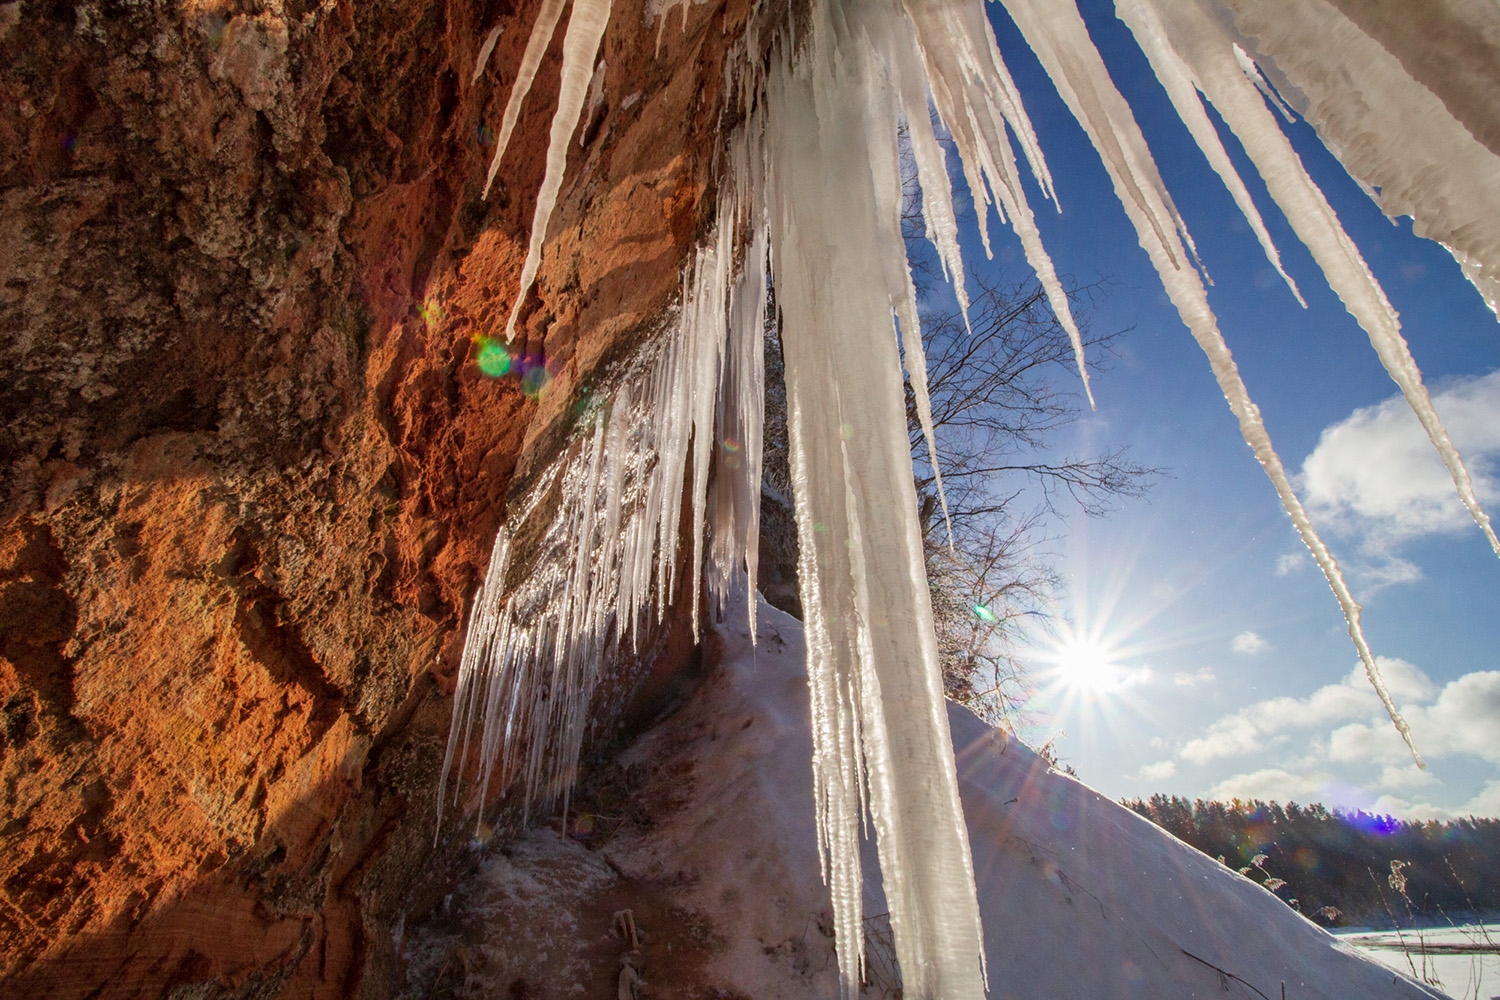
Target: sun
(1090, 665)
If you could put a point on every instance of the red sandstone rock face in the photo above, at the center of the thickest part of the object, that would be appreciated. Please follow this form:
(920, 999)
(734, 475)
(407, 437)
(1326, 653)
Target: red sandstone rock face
(249, 470)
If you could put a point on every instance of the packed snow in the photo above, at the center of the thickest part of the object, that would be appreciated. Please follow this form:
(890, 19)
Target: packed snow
(717, 865)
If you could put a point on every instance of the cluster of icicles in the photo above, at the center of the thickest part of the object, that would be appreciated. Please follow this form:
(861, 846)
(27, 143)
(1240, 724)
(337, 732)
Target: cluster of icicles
(810, 203)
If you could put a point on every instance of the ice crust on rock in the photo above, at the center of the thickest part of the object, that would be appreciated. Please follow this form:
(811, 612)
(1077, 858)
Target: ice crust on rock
(809, 202)
(607, 518)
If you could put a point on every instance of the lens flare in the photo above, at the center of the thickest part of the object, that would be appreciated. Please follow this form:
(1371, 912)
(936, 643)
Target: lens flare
(534, 380)
(493, 359)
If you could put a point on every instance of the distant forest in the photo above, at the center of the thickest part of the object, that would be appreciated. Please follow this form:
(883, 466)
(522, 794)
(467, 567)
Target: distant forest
(1345, 868)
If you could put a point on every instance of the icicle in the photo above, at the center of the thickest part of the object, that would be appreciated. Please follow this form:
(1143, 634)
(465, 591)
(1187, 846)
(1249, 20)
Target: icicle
(1183, 35)
(580, 47)
(595, 99)
(976, 99)
(884, 158)
(475, 661)
(532, 655)
(1178, 79)
(484, 53)
(660, 10)
(734, 500)
(1091, 96)
(531, 61)
(704, 313)
(1253, 73)
(879, 721)
(1392, 133)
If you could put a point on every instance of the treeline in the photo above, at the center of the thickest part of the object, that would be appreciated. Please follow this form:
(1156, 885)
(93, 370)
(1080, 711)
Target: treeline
(1345, 868)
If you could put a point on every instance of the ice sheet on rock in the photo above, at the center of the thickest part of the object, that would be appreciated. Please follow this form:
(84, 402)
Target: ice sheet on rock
(595, 98)
(604, 531)
(1184, 44)
(1390, 131)
(586, 26)
(1055, 31)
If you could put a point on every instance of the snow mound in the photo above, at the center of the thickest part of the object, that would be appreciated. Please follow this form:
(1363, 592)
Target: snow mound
(1080, 897)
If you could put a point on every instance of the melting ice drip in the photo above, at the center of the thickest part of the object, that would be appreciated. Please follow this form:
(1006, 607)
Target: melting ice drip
(812, 184)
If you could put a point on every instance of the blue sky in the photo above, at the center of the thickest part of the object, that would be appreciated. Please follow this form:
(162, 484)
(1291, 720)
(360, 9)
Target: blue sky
(1228, 670)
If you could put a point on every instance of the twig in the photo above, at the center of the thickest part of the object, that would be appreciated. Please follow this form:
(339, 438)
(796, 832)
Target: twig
(1229, 975)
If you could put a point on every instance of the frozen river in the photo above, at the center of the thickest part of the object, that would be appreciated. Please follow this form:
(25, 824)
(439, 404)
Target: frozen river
(1463, 961)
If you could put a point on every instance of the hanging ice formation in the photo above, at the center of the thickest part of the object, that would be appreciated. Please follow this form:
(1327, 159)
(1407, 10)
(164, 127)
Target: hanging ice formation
(810, 200)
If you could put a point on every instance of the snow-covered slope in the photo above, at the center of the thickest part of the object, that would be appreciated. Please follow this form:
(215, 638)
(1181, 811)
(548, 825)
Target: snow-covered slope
(1080, 897)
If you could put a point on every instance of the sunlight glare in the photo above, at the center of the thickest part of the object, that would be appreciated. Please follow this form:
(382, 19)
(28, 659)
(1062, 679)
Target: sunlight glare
(1087, 664)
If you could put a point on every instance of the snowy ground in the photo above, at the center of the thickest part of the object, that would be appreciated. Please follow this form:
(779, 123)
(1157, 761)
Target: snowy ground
(707, 838)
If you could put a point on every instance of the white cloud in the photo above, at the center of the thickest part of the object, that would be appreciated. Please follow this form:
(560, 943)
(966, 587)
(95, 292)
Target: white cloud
(1486, 802)
(1231, 736)
(1464, 719)
(1203, 675)
(1375, 474)
(1290, 563)
(1249, 643)
(1343, 725)
(1157, 743)
(1249, 729)
(1407, 775)
(1272, 784)
(1160, 770)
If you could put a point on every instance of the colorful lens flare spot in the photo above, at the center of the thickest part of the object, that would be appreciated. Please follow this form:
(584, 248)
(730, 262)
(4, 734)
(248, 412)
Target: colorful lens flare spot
(493, 359)
(984, 613)
(731, 445)
(534, 380)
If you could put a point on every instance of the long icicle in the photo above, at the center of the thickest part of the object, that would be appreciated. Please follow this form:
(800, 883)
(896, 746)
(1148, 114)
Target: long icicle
(1392, 133)
(1090, 94)
(580, 46)
(1177, 79)
(531, 61)
(879, 719)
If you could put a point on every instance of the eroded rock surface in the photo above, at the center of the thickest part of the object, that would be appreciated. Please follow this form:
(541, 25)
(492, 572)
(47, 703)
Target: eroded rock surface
(249, 469)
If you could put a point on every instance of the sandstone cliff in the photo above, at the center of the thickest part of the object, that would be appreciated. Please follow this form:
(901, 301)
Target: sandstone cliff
(249, 469)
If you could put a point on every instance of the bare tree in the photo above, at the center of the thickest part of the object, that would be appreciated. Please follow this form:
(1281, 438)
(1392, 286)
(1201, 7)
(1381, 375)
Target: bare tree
(1000, 394)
